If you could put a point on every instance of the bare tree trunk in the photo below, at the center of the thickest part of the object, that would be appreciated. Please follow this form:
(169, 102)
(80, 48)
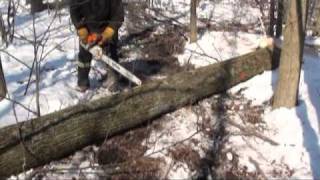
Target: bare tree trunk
(37, 65)
(193, 21)
(7, 30)
(316, 27)
(37, 142)
(3, 32)
(286, 93)
(305, 4)
(3, 86)
(272, 17)
(280, 13)
(36, 6)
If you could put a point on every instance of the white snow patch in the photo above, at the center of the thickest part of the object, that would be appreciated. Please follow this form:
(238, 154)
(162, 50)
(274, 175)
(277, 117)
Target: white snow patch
(296, 130)
(213, 47)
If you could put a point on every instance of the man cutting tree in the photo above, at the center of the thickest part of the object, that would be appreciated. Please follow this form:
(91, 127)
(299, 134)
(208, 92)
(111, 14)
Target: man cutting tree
(92, 19)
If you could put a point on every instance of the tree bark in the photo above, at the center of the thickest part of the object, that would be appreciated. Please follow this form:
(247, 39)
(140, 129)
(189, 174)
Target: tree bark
(193, 22)
(57, 135)
(36, 6)
(316, 27)
(286, 93)
(3, 33)
(305, 4)
(3, 86)
(272, 18)
(280, 13)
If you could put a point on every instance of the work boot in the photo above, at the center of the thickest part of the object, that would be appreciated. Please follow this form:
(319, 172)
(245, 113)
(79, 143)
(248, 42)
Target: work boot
(112, 81)
(83, 80)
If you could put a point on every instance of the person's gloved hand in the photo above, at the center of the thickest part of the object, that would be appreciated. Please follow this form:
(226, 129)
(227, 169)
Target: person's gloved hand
(83, 34)
(107, 35)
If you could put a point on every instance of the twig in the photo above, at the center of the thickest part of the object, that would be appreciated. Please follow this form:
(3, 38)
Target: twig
(36, 45)
(256, 164)
(252, 133)
(263, 28)
(174, 144)
(21, 138)
(54, 48)
(20, 104)
(29, 79)
(15, 58)
(205, 54)
(37, 64)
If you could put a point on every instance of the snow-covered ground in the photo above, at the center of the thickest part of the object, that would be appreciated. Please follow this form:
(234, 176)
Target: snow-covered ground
(296, 130)
(61, 46)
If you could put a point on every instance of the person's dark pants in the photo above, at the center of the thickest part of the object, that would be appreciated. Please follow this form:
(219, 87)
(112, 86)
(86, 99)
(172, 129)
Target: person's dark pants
(85, 57)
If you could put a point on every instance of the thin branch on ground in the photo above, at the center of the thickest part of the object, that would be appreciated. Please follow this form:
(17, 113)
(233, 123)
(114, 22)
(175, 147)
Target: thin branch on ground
(15, 58)
(174, 144)
(251, 132)
(256, 164)
(20, 104)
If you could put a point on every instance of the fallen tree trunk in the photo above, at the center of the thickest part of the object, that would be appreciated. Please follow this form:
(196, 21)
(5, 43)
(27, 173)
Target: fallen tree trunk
(54, 136)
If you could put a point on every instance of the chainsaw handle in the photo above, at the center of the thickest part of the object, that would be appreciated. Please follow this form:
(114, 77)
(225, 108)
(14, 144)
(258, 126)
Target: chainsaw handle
(94, 38)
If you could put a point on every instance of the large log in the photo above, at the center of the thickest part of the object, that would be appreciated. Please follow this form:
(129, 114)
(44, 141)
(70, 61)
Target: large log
(54, 136)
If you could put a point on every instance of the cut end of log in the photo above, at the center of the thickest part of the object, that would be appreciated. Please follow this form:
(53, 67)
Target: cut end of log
(266, 42)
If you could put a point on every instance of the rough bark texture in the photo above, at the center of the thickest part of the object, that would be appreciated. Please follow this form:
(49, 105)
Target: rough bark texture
(3, 87)
(280, 16)
(37, 6)
(193, 21)
(54, 136)
(272, 17)
(316, 27)
(305, 16)
(286, 93)
(3, 34)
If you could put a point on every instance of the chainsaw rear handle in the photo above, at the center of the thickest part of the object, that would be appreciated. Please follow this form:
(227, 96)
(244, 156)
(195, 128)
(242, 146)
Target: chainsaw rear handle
(92, 40)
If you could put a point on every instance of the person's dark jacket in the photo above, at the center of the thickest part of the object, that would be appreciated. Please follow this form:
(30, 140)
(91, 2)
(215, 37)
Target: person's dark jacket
(97, 14)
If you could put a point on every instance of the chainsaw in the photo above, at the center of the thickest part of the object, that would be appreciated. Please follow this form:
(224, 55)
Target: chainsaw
(98, 54)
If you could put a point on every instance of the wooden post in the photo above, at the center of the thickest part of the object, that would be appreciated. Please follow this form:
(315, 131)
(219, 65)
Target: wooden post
(193, 22)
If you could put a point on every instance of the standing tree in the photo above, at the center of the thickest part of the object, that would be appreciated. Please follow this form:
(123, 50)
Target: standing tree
(272, 17)
(3, 87)
(36, 6)
(280, 13)
(316, 27)
(286, 93)
(193, 21)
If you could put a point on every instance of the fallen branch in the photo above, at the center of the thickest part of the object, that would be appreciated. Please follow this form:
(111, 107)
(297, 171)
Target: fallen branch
(251, 132)
(259, 170)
